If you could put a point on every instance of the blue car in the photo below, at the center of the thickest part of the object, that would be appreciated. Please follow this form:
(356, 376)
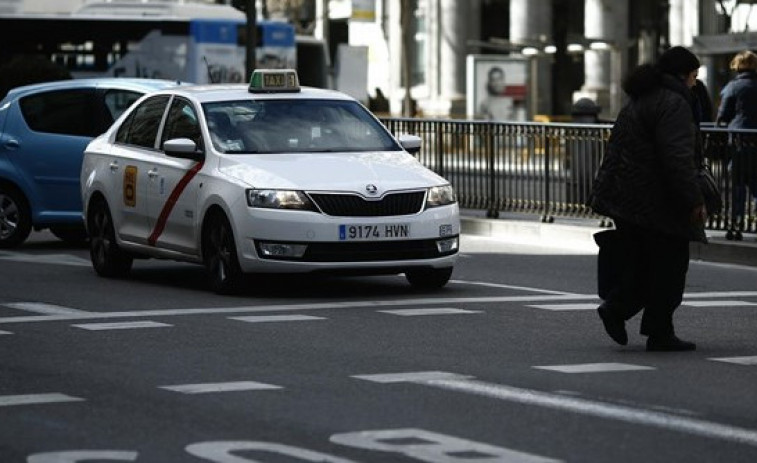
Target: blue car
(44, 129)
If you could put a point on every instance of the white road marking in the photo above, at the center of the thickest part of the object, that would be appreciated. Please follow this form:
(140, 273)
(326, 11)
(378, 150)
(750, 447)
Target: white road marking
(202, 388)
(5, 332)
(719, 303)
(411, 377)
(502, 286)
(344, 305)
(120, 325)
(667, 421)
(750, 360)
(75, 456)
(557, 307)
(432, 311)
(276, 318)
(594, 367)
(29, 399)
(58, 259)
(42, 308)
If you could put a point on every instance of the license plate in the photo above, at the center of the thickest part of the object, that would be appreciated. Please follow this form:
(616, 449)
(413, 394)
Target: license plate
(394, 231)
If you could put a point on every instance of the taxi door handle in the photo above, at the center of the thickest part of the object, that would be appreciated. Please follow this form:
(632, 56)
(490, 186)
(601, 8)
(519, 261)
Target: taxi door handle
(113, 166)
(152, 173)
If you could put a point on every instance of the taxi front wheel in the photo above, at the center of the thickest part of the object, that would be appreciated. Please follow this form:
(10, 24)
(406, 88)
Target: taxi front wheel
(429, 278)
(108, 259)
(220, 256)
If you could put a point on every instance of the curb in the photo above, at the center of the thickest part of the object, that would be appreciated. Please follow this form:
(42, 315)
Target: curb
(718, 250)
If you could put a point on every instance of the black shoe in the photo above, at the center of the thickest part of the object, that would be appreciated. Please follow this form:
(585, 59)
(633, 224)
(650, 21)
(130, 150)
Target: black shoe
(614, 326)
(669, 344)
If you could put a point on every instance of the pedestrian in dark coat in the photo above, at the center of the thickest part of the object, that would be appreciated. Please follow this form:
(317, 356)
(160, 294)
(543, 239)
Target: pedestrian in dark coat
(647, 185)
(738, 109)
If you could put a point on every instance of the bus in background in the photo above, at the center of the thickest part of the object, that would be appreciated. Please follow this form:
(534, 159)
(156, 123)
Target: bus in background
(200, 43)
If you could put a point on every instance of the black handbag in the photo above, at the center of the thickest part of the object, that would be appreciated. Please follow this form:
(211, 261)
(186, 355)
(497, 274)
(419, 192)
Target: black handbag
(713, 201)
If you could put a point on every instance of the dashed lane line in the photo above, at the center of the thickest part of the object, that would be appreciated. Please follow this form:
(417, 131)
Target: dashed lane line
(594, 367)
(639, 416)
(719, 303)
(432, 311)
(295, 307)
(748, 360)
(556, 299)
(231, 386)
(30, 399)
(42, 308)
(276, 318)
(57, 259)
(120, 325)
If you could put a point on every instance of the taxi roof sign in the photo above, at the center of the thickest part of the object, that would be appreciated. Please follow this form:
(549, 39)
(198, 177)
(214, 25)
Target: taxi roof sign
(274, 80)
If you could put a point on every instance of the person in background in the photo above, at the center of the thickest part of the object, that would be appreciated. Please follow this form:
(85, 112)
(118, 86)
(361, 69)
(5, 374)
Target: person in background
(704, 110)
(738, 110)
(647, 184)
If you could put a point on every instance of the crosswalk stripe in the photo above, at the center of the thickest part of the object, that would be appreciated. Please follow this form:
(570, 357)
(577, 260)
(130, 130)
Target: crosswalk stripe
(30, 399)
(749, 360)
(120, 325)
(232, 386)
(432, 311)
(276, 318)
(594, 367)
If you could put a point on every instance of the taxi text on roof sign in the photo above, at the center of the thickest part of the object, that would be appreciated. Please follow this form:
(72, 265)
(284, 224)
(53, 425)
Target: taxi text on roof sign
(274, 80)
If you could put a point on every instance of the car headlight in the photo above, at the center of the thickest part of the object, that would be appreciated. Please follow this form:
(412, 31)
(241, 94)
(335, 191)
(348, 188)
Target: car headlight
(279, 199)
(440, 196)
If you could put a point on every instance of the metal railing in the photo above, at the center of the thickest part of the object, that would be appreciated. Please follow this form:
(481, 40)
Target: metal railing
(548, 168)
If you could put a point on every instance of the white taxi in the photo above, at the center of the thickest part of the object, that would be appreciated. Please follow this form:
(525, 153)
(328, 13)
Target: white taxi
(268, 177)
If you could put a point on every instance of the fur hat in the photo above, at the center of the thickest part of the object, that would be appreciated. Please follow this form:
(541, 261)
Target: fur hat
(678, 61)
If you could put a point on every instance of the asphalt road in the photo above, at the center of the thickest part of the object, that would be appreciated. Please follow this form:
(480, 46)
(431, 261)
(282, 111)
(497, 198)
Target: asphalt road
(508, 363)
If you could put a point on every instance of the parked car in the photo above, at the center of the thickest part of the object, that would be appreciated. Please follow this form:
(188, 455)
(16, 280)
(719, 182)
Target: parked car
(265, 178)
(44, 129)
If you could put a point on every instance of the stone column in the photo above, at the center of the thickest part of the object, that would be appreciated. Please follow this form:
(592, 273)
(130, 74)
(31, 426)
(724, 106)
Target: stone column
(446, 70)
(605, 22)
(531, 24)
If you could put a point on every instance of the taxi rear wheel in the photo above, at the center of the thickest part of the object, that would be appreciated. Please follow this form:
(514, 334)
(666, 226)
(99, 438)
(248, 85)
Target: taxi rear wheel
(15, 217)
(108, 259)
(220, 256)
(429, 278)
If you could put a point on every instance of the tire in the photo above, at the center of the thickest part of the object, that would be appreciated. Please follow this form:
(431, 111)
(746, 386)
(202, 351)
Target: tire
(108, 259)
(15, 217)
(74, 234)
(219, 253)
(429, 278)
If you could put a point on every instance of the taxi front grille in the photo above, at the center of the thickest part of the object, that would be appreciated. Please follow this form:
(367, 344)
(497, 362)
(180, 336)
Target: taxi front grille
(347, 205)
(373, 251)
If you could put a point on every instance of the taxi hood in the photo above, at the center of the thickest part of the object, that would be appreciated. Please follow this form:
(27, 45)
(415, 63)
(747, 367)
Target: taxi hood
(330, 171)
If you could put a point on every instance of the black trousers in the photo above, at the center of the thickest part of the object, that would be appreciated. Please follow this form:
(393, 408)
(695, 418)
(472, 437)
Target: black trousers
(641, 269)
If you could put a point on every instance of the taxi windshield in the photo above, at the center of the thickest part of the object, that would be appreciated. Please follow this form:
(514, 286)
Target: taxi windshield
(295, 126)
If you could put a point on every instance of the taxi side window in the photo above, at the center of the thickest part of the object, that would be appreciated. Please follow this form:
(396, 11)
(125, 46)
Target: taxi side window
(182, 122)
(141, 127)
(116, 102)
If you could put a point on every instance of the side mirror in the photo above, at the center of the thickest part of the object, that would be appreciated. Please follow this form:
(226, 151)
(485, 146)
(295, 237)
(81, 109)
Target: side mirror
(183, 148)
(410, 143)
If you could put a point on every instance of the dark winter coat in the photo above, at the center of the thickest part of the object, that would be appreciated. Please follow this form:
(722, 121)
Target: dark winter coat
(648, 175)
(738, 102)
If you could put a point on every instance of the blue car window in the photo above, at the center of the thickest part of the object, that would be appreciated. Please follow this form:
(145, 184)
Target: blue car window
(68, 112)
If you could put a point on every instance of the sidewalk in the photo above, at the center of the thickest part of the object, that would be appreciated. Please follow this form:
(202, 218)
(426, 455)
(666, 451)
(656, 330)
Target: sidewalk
(529, 227)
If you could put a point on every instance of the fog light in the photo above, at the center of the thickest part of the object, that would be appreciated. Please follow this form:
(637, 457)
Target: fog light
(282, 250)
(447, 245)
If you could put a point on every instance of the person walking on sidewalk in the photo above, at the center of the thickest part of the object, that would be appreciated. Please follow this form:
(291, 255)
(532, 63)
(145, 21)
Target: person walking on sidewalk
(647, 184)
(738, 109)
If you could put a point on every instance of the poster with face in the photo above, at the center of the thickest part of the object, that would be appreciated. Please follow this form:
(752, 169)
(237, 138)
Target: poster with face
(497, 88)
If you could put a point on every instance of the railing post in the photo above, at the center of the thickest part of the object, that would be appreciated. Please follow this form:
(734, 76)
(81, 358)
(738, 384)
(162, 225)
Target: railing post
(491, 176)
(547, 216)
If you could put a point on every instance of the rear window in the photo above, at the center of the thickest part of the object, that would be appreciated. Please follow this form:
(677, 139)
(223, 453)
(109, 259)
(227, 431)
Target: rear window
(68, 112)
